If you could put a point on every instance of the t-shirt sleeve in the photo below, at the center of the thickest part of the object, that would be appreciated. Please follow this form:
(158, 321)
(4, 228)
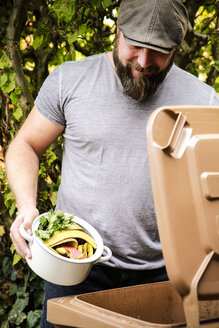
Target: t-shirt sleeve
(214, 99)
(48, 98)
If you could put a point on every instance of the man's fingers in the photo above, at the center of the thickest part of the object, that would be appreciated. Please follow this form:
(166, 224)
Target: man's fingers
(26, 215)
(19, 243)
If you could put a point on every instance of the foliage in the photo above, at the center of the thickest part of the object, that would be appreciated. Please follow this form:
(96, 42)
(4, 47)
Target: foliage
(35, 37)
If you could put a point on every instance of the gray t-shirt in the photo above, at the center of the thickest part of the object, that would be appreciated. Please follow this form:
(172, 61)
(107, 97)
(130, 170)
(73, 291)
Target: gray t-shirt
(105, 174)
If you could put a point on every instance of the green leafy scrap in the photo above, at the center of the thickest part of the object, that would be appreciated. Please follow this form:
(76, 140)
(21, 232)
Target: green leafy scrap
(53, 221)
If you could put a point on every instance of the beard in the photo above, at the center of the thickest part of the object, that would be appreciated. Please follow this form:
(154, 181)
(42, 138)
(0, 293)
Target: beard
(141, 86)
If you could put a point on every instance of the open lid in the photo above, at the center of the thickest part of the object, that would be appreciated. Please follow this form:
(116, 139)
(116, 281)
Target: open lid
(183, 150)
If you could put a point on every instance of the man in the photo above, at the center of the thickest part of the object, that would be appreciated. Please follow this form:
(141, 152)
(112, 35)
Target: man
(101, 105)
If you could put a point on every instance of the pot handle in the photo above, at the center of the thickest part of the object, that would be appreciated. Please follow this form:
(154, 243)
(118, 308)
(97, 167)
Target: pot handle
(24, 234)
(106, 257)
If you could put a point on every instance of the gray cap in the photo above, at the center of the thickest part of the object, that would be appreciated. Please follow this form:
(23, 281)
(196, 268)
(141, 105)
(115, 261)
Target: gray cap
(157, 24)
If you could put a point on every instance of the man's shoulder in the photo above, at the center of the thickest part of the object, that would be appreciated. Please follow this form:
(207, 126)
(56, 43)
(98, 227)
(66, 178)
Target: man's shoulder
(87, 61)
(185, 76)
(187, 79)
(189, 88)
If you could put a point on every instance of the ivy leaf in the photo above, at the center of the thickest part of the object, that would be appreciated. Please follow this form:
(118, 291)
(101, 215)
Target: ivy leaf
(21, 317)
(5, 62)
(18, 112)
(7, 82)
(33, 318)
(17, 308)
(14, 98)
(4, 79)
(15, 95)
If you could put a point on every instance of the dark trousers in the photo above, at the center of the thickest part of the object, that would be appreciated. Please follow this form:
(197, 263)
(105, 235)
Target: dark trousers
(100, 278)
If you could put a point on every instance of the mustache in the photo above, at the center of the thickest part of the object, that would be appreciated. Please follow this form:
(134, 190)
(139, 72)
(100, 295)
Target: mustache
(138, 68)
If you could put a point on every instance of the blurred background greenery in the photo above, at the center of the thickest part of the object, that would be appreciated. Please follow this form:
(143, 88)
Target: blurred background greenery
(35, 37)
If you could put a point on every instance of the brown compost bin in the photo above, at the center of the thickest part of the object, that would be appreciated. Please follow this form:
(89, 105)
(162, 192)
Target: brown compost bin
(183, 151)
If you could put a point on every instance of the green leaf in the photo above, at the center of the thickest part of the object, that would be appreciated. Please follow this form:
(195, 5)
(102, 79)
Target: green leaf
(5, 324)
(21, 317)
(18, 112)
(50, 156)
(13, 289)
(33, 318)
(7, 198)
(64, 10)
(14, 98)
(15, 95)
(38, 298)
(12, 208)
(2, 230)
(17, 308)
(16, 258)
(8, 86)
(106, 3)
(4, 79)
(95, 3)
(6, 265)
(44, 194)
(53, 197)
(5, 62)
(18, 90)
(12, 248)
(38, 40)
(72, 37)
(7, 82)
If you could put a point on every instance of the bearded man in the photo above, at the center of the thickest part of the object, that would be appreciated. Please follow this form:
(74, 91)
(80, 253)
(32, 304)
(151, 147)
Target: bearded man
(101, 105)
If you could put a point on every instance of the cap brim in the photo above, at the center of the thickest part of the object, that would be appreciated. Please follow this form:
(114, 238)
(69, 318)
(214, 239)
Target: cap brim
(147, 45)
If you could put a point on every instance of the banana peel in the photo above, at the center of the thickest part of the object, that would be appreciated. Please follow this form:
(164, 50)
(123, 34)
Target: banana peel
(64, 236)
(74, 226)
(66, 243)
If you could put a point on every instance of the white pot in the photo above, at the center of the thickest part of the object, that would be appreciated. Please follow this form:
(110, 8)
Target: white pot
(56, 268)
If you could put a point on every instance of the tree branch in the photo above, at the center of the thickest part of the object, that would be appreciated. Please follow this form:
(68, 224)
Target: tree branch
(13, 30)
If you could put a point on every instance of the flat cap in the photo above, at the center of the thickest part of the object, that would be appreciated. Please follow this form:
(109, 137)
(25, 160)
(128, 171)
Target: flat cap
(157, 24)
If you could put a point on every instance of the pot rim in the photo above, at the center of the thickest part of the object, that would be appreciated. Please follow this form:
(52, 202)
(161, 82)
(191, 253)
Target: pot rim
(87, 227)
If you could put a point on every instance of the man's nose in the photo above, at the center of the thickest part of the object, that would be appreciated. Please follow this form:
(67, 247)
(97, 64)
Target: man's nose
(144, 57)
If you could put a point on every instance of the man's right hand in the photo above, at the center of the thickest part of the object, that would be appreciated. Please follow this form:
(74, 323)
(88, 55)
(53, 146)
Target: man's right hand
(26, 215)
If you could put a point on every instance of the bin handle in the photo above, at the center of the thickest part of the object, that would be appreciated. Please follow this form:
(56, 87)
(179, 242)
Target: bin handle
(175, 134)
(24, 234)
(106, 257)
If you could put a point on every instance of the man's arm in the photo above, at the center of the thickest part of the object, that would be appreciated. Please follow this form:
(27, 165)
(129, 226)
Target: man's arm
(22, 165)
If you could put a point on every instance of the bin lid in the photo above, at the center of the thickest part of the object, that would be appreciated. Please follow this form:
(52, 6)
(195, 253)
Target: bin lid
(183, 152)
